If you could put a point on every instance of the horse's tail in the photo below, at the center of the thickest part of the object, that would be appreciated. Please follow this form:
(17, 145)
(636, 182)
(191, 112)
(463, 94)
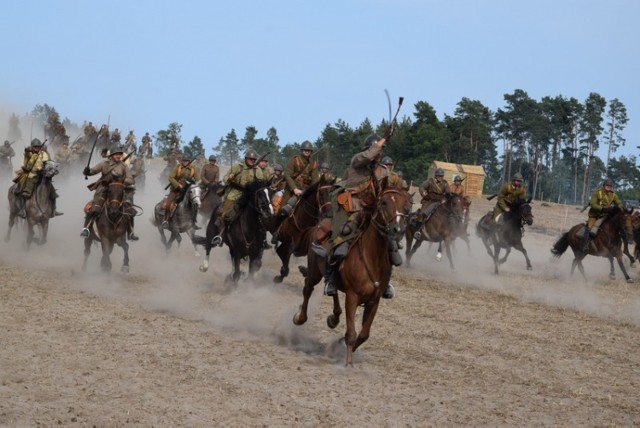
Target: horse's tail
(561, 245)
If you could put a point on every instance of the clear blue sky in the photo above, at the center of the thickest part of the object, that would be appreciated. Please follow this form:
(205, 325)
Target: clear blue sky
(298, 65)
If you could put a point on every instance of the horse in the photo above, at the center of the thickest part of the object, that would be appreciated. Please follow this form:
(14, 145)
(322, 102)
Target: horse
(39, 206)
(111, 226)
(508, 234)
(607, 243)
(210, 199)
(443, 225)
(635, 221)
(181, 221)
(314, 204)
(245, 235)
(365, 272)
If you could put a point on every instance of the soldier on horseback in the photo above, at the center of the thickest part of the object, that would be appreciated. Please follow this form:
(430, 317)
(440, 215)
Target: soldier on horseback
(458, 188)
(179, 180)
(433, 191)
(27, 178)
(236, 179)
(299, 173)
(6, 153)
(348, 202)
(209, 175)
(603, 202)
(510, 195)
(112, 168)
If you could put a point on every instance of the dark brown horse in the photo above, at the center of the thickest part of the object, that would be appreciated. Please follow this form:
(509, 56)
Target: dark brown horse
(246, 234)
(607, 243)
(364, 274)
(506, 235)
(39, 207)
(295, 230)
(444, 224)
(111, 226)
(210, 199)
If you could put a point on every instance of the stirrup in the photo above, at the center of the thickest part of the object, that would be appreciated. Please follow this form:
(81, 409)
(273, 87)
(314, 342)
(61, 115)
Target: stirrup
(389, 293)
(217, 241)
(132, 237)
(85, 232)
(330, 289)
(56, 213)
(165, 224)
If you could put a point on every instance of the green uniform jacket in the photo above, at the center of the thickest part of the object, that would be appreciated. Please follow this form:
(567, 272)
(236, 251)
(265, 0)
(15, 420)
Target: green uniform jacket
(601, 199)
(180, 175)
(508, 196)
(242, 175)
(300, 173)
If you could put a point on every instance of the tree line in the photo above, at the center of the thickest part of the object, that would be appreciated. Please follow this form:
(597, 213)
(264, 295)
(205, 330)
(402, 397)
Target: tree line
(552, 142)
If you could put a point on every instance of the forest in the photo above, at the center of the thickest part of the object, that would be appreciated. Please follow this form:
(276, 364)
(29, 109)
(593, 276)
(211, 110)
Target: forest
(552, 142)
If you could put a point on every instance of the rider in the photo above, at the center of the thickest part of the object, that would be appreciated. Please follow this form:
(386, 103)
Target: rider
(6, 153)
(27, 178)
(347, 205)
(601, 205)
(459, 190)
(278, 185)
(325, 172)
(510, 194)
(209, 175)
(181, 174)
(240, 174)
(433, 191)
(299, 173)
(112, 168)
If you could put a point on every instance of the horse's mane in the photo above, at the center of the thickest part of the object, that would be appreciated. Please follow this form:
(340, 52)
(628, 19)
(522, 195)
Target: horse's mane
(310, 191)
(250, 189)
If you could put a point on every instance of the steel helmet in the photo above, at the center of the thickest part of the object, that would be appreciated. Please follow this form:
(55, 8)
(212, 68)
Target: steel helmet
(608, 182)
(251, 154)
(277, 167)
(36, 143)
(7, 143)
(457, 178)
(373, 138)
(517, 176)
(386, 161)
(439, 172)
(325, 165)
(212, 158)
(116, 149)
(306, 145)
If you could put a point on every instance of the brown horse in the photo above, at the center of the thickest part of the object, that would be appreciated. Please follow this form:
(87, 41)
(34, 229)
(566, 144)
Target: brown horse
(444, 224)
(111, 226)
(507, 235)
(607, 243)
(364, 274)
(295, 230)
(39, 207)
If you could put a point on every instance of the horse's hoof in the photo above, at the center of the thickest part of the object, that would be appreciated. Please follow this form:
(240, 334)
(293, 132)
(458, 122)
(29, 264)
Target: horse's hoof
(612, 276)
(438, 257)
(277, 280)
(629, 281)
(125, 269)
(304, 270)
(297, 319)
(529, 268)
(203, 268)
(632, 265)
(197, 254)
(332, 321)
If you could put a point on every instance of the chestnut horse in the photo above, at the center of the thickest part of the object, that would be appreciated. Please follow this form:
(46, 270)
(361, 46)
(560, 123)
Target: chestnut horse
(507, 235)
(444, 224)
(111, 226)
(314, 204)
(364, 274)
(607, 243)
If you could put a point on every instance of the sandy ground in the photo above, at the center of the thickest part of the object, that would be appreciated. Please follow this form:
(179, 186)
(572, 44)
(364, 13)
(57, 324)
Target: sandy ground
(167, 345)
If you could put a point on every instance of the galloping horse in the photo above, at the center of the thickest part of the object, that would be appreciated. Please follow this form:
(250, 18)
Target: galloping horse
(507, 235)
(443, 225)
(364, 274)
(39, 207)
(181, 220)
(246, 234)
(607, 243)
(111, 226)
(295, 239)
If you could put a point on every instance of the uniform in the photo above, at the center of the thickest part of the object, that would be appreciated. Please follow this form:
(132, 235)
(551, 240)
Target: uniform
(178, 184)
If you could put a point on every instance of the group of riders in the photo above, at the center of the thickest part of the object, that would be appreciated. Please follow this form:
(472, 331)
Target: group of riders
(287, 184)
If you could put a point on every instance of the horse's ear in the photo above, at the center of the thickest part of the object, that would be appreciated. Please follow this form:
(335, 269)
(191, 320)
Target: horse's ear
(529, 200)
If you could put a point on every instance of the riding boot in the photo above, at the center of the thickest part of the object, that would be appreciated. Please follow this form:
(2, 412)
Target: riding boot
(54, 209)
(265, 245)
(329, 285)
(88, 218)
(216, 241)
(20, 202)
(165, 220)
(587, 241)
(131, 235)
(389, 292)
(394, 255)
(275, 237)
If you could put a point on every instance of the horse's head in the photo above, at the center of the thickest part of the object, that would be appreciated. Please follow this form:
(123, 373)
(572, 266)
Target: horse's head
(454, 205)
(193, 193)
(525, 213)
(258, 195)
(629, 221)
(392, 208)
(50, 169)
(323, 196)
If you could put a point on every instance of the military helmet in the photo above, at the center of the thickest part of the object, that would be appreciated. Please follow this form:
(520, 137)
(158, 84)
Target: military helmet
(608, 182)
(306, 145)
(36, 143)
(277, 167)
(212, 158)
(7, 143)
(116, 149)
(325, 165)
(251, 154)
(517, 176)
(386, 161)
(373, 138)
(439, 172)
(457, 178)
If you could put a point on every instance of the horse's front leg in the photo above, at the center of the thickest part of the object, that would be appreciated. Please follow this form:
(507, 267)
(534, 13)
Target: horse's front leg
(12, 221)
(30, 234)
(284, 253)
(107, 248)
(367, 320)
(622, 268)
(205, 261)
(518, 246)
(447, 247)
(190, 233)
(122, 242)
(87, 250)
(350, 337)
